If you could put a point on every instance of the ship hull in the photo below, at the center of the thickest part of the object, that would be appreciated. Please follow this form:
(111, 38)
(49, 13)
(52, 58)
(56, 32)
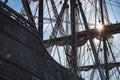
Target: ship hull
(23, 56)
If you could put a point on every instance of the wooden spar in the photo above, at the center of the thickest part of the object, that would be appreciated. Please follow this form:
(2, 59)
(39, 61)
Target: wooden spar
(89, 67)
(40, 19)
(82, 36)
(73, 36)
(34, 0)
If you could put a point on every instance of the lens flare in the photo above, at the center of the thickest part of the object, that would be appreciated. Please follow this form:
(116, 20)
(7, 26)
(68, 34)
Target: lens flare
(99, 27)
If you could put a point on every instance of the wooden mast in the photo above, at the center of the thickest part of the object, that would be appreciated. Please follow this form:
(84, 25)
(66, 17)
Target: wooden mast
(104, 42)
(73, 36)
(40, 19)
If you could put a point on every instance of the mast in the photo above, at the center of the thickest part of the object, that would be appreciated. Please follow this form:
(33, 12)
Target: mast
(100, 69)
(104, 43)
(73, 36)
(40, 19)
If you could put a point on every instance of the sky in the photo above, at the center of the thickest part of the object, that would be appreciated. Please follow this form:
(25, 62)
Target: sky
(15, 4)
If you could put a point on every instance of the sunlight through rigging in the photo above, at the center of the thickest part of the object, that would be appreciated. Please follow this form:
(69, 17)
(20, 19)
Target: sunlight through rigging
(100, 27)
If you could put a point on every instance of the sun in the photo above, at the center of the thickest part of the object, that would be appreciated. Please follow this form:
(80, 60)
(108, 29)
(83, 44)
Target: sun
(100, 27)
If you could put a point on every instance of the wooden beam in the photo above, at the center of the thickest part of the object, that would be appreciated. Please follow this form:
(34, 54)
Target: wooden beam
(82, 36)
(89, 67)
